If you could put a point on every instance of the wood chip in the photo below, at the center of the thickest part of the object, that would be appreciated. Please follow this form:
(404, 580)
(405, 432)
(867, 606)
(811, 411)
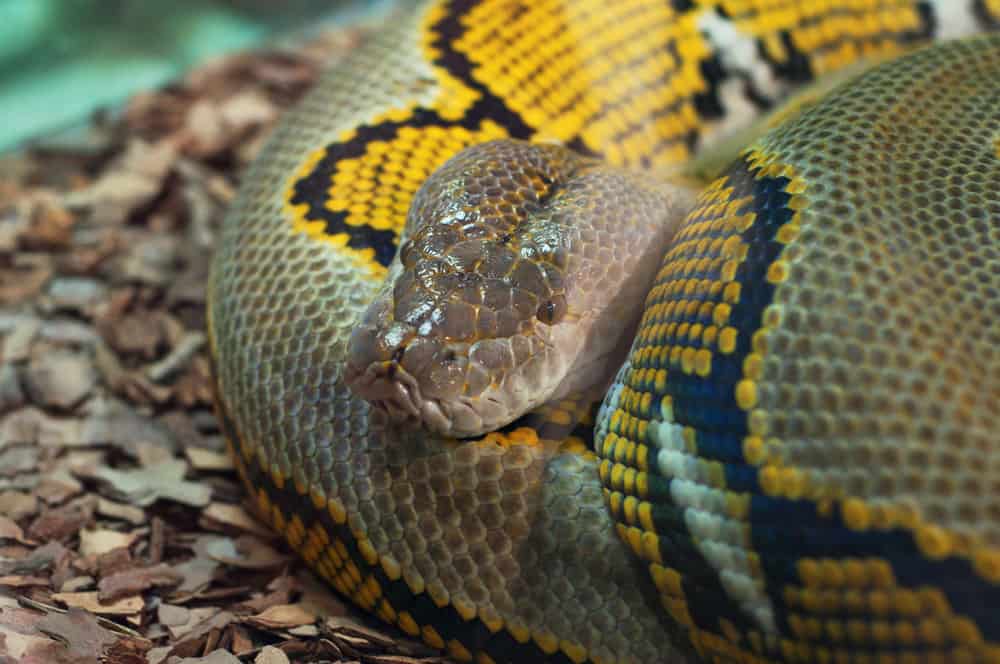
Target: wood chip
(113, 561)
(113, 474)
(24, 277)
(101, 540)
(242, 641)
(215, 657)
(282, 616)
(180, 620)
(77, 584)
(145, 486)
(198, 572)
(253, 553)
(19, 646)
(271, 655)
(33, 426)
(91, 602)
(136, 177)
(76, 294)
(11, 393)
(19, 581)
(136, 580)
(18, 504)
(236, 517)
(130, 513)
(80, 632)
(172, 616)
(208, 460)
(50, 225)
(45, 557)
(62, 522)
(17, 343)
(59, 380)
(10, 530)
(178, 358)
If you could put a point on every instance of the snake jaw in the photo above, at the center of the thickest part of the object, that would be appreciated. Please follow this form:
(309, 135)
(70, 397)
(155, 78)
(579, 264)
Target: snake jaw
(389, 387)
(451, 389)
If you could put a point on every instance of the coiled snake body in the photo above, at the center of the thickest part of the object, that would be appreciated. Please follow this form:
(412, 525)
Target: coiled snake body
(798, 461)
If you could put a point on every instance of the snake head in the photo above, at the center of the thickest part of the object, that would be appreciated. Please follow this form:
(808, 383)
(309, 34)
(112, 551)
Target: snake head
(519, 279)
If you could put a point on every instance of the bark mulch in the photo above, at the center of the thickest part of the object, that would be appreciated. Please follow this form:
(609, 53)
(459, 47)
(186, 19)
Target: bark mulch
(123, 533)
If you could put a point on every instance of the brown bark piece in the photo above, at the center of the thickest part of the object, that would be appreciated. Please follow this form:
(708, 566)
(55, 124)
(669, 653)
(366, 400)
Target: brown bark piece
(84, 638)
(115, 490)
(136, 580)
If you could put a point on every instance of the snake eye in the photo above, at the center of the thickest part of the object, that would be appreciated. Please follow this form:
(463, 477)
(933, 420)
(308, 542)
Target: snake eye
(406, 252)
(551, 311)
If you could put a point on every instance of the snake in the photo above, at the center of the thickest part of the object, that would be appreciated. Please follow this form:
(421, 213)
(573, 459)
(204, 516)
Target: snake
(607, 332)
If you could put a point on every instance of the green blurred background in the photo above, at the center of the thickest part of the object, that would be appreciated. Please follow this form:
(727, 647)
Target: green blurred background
(62, 59)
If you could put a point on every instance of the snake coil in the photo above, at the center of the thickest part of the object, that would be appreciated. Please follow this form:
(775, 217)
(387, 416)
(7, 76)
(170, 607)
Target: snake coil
(798, 460)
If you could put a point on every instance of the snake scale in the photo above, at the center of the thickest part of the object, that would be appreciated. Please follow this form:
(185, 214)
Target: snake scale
(797, 461)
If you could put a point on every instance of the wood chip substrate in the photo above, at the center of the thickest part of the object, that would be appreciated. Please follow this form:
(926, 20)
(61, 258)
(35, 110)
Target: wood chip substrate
(124, 536)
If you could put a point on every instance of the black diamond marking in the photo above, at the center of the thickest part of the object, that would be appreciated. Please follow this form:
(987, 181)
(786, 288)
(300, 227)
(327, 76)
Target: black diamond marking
(928, 22)
(797, 69)
(577, 145)
(708, 103)
(984, 15)
(448, 31)
(714, 411)
(756, 97)
(446, 620)
(473, 634)
(312, 190)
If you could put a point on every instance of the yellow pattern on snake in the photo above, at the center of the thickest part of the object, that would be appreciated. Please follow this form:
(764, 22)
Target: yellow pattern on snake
(801, 447)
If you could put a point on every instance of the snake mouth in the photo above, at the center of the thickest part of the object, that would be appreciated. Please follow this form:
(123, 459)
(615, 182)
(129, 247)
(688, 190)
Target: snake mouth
(389, 387)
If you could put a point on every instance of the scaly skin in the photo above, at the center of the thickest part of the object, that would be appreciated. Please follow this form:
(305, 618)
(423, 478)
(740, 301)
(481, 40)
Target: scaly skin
(812, 401)
(521, 275)
(502, 548)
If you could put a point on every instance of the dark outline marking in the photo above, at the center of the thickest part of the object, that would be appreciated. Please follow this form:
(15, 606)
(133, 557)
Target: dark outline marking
(312, 190)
